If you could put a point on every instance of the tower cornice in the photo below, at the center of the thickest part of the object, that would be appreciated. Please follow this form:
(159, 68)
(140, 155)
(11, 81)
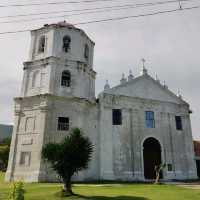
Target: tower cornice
(46, 97)
(55, 60)
(40, 62)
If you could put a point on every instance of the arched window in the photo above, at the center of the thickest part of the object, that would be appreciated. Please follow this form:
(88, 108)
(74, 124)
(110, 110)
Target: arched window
(66, 43)
(66, 79)
(41, 44)
(86, 52)
(36, 79)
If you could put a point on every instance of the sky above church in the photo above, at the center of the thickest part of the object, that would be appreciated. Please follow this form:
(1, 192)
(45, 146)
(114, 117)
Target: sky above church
(169, 42)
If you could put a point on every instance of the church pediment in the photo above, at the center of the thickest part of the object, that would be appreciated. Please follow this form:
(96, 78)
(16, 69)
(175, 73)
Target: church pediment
(145, 87)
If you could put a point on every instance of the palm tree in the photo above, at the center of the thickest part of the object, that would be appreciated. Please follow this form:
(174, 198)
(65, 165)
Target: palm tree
(70, 156)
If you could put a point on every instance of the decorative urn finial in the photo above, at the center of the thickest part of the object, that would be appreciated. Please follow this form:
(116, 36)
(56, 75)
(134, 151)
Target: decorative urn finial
(130, 77)
(164, 85)
(123, 80)
(157, 79)
(179, 94)
(106, 86)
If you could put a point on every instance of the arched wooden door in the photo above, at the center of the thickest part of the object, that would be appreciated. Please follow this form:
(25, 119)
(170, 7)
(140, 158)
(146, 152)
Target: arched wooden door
(151, 157)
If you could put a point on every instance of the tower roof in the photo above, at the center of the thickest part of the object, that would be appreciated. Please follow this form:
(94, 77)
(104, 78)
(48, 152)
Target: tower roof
(60, 25)
(63, 24)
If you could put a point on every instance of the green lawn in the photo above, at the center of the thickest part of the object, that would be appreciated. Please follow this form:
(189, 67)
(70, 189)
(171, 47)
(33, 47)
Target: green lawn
(43, 191)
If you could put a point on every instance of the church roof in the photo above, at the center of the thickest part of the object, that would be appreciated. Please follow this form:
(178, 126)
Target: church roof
(146, 87)
(64, 24)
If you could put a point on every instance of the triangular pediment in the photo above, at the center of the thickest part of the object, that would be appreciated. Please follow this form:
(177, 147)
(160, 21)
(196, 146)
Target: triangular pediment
(147, 88)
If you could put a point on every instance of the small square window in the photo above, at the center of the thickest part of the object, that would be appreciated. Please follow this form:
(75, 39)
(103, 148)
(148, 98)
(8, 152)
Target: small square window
(117, 116)
(150, 121)
(63, 123)
(25, 158)
(178, 123)
(169, 167)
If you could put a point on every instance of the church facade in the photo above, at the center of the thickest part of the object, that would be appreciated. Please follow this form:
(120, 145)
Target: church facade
(134, 126)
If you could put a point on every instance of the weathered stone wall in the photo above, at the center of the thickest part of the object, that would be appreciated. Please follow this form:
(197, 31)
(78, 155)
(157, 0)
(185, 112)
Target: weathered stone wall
(38, 126)
(121, 150)
(30, 121)
(48, 73)
(118, 151)
(82, 114)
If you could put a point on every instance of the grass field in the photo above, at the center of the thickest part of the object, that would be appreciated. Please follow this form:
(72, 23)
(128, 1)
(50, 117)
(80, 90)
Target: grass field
(37, 191)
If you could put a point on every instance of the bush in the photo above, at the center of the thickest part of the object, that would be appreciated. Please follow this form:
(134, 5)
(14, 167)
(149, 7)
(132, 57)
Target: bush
(4, 153)
(6, 141)
(17, 192)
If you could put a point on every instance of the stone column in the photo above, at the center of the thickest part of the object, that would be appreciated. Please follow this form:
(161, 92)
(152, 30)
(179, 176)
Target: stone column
(170, 149)
(24, 83)
(190, 165)
(51, 77)
(132, 141)
(137, 148)
(44, 110)
(177, 147)
(13, 147)
(106, 144)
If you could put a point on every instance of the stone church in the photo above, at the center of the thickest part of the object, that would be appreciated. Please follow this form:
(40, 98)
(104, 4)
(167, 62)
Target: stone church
(134, 126)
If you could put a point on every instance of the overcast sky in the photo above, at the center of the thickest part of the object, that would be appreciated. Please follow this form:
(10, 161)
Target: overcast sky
(169, 42)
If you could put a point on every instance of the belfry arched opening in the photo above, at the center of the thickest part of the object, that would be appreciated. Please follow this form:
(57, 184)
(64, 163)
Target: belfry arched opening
(151, 157)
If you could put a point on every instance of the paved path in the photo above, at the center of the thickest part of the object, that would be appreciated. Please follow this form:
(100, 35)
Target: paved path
(193, 185)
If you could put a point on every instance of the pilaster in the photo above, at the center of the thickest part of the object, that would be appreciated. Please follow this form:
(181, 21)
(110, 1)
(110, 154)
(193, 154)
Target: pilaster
(13, 146)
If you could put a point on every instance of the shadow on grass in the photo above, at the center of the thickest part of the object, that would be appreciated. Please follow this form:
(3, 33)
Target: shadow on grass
(82, 197)
(115, 198)
(109, 198)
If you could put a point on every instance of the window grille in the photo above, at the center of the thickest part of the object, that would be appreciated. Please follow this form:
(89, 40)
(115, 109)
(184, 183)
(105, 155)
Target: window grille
(66, 43)
(117, 116)
(63, 123)
(66, 79)
(178, 123)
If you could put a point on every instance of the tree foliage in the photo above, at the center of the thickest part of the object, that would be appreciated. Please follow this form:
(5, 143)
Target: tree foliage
(5, 141)
(17, 192)
(70, 156)
(4, 153)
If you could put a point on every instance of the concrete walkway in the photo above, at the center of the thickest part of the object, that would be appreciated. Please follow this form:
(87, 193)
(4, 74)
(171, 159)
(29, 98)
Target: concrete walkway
(193, 185)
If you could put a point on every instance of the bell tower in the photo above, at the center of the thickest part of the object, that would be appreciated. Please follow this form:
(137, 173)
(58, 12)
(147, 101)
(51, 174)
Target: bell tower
(57, 93)
(60, 63)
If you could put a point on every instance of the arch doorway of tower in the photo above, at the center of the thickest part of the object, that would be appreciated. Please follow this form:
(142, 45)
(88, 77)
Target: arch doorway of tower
(151, 157)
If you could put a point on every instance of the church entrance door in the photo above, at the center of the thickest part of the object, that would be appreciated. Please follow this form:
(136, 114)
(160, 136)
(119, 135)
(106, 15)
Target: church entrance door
(152, 157)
